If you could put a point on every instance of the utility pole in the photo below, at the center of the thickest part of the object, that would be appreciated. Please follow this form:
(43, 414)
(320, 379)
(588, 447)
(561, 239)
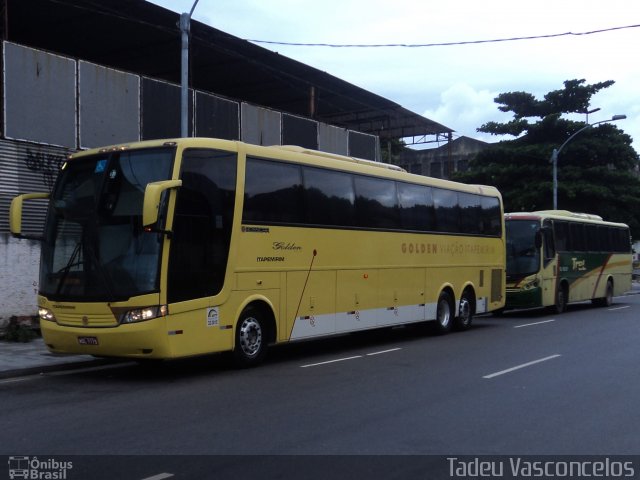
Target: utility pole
(556, 152)
(185, 29)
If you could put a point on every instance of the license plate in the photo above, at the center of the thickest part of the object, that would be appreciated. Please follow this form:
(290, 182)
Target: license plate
(88, 340)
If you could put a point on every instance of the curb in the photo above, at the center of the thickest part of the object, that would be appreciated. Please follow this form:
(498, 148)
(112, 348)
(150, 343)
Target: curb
(59, 367)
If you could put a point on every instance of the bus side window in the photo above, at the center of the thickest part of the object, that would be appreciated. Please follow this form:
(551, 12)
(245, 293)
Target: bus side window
(561, 232)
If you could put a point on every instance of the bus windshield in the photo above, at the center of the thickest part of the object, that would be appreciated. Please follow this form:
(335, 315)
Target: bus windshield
(95, 248)
(523, 258)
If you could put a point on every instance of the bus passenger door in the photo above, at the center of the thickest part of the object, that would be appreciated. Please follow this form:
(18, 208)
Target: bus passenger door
(549, 271)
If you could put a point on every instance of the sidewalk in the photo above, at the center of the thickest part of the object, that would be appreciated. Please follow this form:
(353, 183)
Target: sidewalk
(20, 359)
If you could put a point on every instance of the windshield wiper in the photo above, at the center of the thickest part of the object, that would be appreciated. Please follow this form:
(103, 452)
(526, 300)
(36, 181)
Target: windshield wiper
(70, 264)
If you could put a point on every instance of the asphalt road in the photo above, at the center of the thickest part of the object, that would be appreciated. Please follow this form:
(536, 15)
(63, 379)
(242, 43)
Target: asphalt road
(526, 383)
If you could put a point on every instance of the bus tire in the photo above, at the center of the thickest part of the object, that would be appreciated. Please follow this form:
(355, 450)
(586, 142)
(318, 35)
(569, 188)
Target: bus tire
(607, 300)
(251, 338)
(562, 297)
(444, 313)
(466, 311)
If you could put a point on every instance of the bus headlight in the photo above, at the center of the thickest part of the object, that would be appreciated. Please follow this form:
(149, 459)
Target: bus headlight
(46, 314)
(144, 314)
(535, 283)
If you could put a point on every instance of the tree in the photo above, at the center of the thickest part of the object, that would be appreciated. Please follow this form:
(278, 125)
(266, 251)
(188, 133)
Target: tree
(597, 170)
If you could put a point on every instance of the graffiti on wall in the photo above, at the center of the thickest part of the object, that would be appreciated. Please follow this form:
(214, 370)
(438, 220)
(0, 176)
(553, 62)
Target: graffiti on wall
(47, 164)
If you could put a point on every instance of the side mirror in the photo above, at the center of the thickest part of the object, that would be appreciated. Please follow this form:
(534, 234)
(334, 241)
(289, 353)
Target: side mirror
(151, 204)
(15, 212)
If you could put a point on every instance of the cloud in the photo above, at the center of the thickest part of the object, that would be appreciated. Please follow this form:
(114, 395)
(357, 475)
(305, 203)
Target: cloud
(464, 109)
(454, 86)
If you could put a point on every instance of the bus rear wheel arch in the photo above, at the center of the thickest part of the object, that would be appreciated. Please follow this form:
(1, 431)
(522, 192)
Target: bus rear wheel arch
(255, 330)
(607, 300)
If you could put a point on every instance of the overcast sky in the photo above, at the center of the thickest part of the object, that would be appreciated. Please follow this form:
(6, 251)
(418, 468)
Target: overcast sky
(452, 85)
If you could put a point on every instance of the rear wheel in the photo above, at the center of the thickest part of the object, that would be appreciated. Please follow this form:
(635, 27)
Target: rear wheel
(465, 312)
(251, 338)
(444, 313)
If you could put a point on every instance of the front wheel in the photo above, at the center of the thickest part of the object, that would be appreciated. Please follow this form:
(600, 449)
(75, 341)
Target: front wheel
(562, 298)
(251, 338)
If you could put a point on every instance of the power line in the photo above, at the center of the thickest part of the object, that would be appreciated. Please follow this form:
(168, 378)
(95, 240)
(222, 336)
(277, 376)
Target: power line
(445, 44)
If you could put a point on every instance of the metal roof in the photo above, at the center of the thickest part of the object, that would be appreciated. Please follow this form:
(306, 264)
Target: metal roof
(140, 37)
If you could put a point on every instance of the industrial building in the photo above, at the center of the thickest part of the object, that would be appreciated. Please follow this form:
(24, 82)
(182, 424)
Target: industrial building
(84, 73)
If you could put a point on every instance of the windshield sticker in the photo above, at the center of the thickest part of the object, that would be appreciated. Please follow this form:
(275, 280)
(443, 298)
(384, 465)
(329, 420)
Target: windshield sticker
(100, 166)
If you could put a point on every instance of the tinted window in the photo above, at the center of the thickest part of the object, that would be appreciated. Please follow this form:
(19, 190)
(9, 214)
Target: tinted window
(416, 207)
(603, 238)
(622, 240)
(592, 238)
(491, 216)
(273, 192)
(279, 192)
(447, 210)
(578, 240)
(561, 231)
(202, 224)
(376, 202)
(329, 197)
(470, 213)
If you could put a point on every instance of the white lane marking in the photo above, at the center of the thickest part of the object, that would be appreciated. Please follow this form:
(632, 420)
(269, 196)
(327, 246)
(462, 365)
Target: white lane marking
(524, 365)
(159, 476)
(384, 351)
(331, 361)
(619, 308)
(536, 323)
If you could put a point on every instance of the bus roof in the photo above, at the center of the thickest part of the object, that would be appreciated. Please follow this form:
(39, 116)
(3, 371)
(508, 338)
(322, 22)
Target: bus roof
(560, 215)
(293, 153)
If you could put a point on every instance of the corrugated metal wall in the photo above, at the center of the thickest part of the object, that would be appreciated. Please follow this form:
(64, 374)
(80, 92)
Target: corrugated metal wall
(25, 168)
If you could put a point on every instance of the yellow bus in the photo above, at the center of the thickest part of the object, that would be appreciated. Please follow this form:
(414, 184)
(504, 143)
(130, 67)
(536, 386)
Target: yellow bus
(166, 249)
(555, 257)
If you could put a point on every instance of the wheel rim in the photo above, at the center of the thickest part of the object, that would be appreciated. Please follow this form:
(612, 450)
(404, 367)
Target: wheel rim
(250, 336)
(444, 313)
(465, 311)
(609, 293)
(561, 301)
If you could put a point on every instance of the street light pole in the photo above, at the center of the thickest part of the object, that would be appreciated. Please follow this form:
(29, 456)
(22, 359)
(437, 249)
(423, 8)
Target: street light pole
(185, 27)
(556, 152)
